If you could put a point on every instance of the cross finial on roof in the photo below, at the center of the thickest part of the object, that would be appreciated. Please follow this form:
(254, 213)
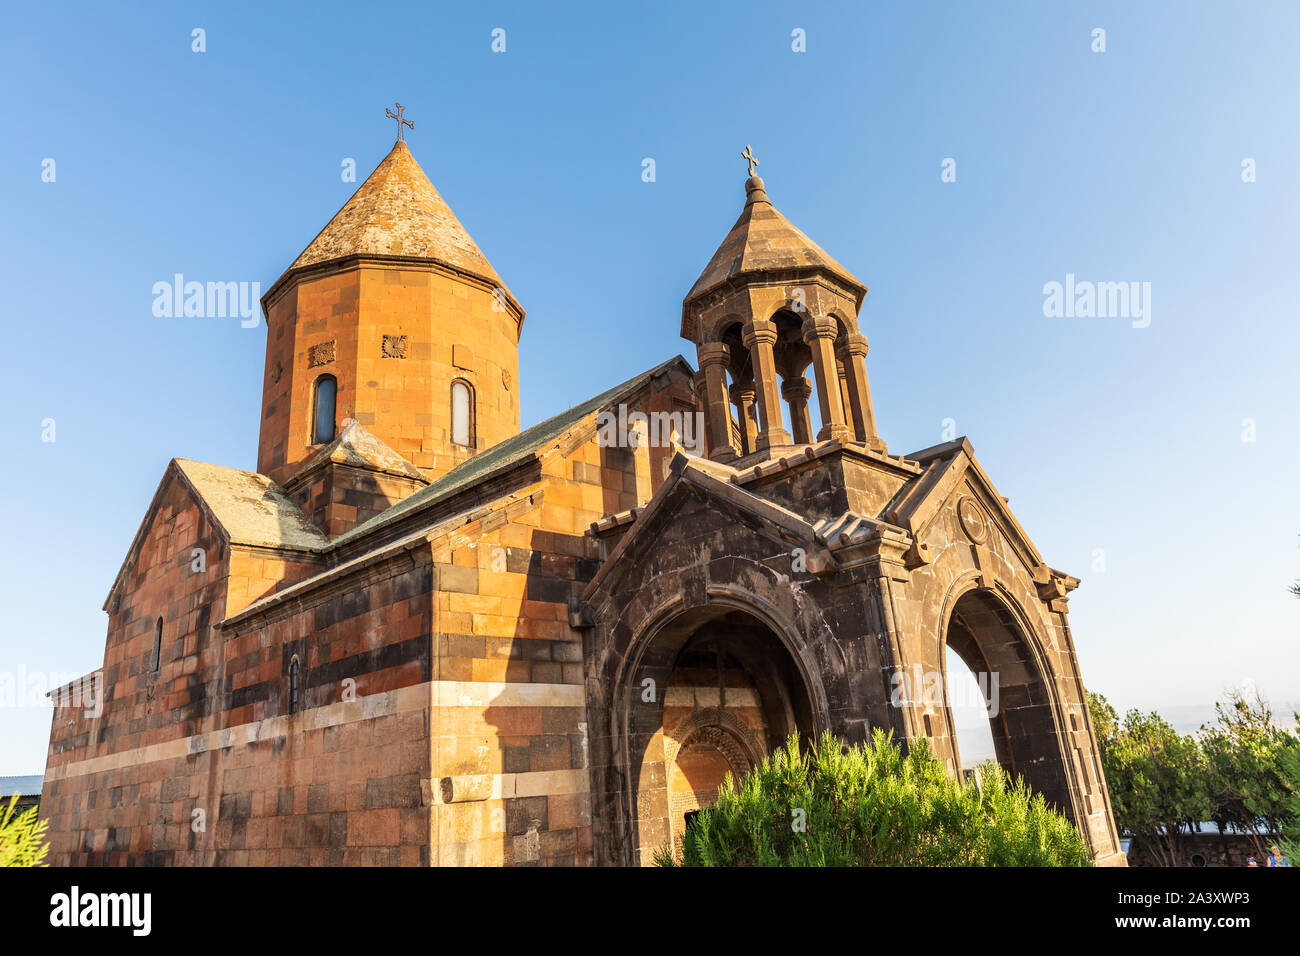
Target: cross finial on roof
(401, 120)
(748, 155)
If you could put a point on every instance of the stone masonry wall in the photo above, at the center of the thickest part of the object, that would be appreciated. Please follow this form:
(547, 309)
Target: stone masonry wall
(338, 498)
(441, 715)
(395, 339)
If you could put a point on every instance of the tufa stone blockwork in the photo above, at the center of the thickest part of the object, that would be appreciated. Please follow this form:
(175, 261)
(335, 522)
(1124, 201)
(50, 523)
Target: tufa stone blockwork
(545, 647)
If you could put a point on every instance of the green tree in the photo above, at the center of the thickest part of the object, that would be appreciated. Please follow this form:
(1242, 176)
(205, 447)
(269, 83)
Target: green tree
(1158, 778)
(1244, 751)
(874, 805)
(22, 837)
(1290, 764)
(1290, 769)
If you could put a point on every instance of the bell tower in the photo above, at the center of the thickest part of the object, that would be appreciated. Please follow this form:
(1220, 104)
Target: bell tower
(391, 318)
(770, 304)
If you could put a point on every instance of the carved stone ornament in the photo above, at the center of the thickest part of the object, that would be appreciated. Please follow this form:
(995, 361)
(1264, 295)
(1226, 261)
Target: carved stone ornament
(321, 354)
(973, 520)
(395, 346)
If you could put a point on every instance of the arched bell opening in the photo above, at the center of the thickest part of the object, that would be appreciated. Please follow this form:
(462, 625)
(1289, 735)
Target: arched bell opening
(741, 394)
(799, 413)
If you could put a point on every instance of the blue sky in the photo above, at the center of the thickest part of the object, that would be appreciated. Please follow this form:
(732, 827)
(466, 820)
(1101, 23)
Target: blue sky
(1111, 441)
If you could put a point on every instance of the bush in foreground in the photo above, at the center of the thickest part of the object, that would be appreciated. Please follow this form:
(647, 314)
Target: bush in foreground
(22, 837)
(873, 805)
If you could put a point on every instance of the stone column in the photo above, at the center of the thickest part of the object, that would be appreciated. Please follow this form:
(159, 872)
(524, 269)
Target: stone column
(742, 396)
(820, 335)
(717, 411)
(852, 350)
(759, 337)
(797, 391)
(844, 395)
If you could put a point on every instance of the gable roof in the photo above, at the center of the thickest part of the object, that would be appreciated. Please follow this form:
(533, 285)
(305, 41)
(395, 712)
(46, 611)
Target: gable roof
(508, 454)
(717, 481)
(358, 447)
(245, 507)
(444, 528)
(938, 475)
(948, 467)
(250, 508)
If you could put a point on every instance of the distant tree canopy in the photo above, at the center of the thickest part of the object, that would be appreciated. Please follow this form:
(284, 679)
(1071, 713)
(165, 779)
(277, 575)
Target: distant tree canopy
(1234, 773)
(1156, 776)
(874, 805)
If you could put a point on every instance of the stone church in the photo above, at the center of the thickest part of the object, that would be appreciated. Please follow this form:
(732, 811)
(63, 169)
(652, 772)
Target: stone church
(419, 635)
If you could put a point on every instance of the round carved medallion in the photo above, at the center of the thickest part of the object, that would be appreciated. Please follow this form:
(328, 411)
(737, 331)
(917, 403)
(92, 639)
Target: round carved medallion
(973, 520)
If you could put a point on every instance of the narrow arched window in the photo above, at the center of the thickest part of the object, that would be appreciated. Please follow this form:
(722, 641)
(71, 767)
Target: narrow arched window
(462, 413)
(157, 644)
(293, 686)
(322, 419)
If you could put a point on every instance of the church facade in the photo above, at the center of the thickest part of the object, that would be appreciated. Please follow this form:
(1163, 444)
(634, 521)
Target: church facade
(418, 635)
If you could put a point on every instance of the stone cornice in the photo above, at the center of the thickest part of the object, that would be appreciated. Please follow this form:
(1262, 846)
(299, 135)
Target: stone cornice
(411, 263)
(702, 301)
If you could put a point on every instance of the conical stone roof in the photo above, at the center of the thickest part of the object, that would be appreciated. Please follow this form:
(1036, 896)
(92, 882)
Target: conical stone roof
(397, 212)
(764, 241)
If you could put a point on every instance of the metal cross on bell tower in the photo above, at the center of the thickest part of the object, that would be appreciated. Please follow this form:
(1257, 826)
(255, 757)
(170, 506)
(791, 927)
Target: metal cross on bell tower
(401, 120)
(748, 155)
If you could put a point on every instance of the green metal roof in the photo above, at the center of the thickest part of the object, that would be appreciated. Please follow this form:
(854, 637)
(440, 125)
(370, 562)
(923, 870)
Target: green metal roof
(504, 455)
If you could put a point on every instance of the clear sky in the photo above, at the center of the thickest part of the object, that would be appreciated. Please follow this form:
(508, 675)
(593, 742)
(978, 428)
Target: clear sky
(1120, 447)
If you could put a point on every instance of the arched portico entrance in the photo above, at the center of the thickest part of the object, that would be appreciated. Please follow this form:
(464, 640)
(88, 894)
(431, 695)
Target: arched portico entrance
(715, 691)
(984, 633)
